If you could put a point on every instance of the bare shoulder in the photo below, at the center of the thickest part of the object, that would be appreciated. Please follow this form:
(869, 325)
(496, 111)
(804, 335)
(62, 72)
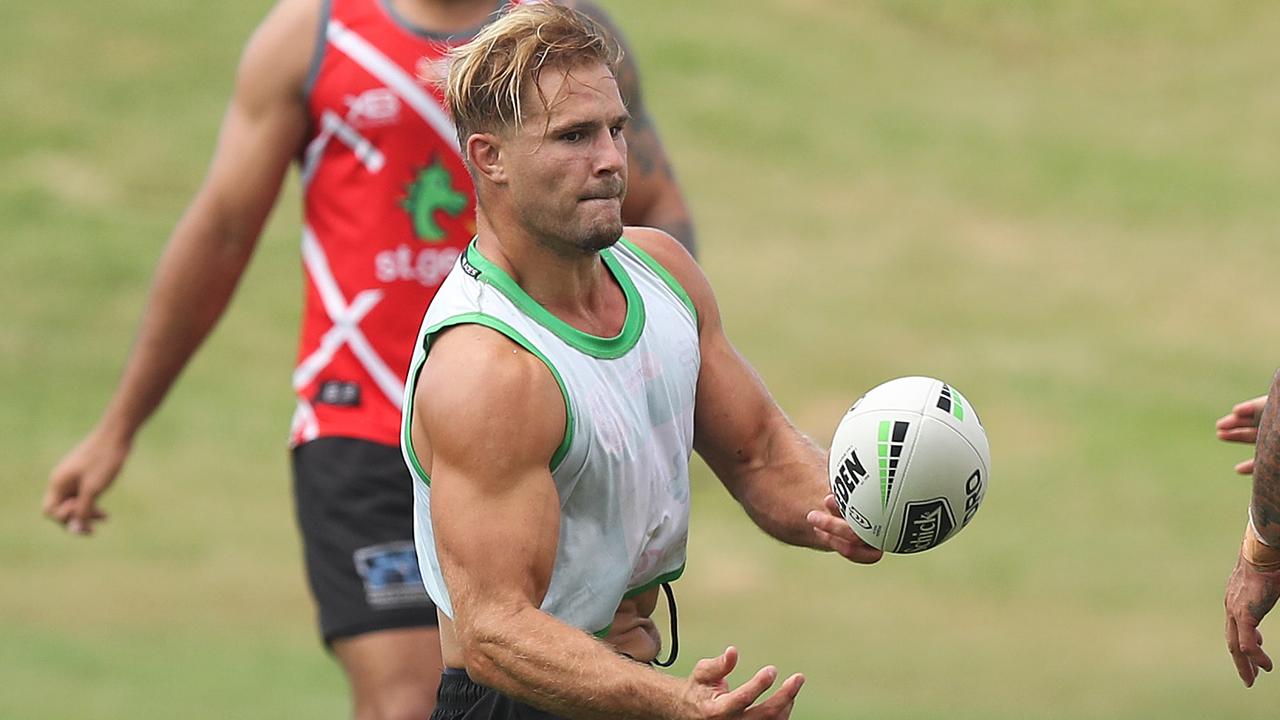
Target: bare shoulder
(482, 397)
(278, 56)
(675, 259)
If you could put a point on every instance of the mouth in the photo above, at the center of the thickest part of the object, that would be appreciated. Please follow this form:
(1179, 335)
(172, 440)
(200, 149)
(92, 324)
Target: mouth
(606, 192)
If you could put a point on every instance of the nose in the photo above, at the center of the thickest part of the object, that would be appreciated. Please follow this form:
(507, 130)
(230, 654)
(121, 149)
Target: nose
(611, 154)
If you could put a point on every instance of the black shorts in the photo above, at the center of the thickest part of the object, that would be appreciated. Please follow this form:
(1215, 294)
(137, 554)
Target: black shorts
(461, 699)
(355, 510)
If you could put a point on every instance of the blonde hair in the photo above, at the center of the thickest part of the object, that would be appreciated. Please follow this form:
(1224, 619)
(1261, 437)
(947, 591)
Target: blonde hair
(490, 75)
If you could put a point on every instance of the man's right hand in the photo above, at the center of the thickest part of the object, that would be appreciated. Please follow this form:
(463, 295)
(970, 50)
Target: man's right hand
(71, 497)
(710, 693)
(1241, 425)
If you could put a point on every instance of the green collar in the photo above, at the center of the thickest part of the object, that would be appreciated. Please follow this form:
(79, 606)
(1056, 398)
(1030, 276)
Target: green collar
(604, 348)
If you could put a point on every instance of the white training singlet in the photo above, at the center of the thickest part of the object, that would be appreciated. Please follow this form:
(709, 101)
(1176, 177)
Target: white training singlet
(622, 470)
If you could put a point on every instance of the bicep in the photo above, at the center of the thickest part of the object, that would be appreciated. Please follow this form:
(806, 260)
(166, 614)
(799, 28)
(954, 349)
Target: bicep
(733, 410)
(265, 123)
(496, 536)
(489, 412)
(734, 415)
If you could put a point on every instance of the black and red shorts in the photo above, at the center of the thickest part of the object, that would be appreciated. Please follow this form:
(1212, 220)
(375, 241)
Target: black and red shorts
(354, 503)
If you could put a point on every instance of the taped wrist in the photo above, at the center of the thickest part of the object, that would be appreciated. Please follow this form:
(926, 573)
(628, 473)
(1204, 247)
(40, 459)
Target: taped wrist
(1259, 555)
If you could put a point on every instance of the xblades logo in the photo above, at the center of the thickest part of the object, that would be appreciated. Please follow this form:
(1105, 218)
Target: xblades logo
(433, 190)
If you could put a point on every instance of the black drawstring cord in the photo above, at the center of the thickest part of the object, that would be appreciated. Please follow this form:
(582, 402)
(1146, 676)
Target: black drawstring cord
(675, 631)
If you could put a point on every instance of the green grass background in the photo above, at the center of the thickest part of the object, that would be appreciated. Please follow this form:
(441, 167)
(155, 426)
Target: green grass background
(1066, 209)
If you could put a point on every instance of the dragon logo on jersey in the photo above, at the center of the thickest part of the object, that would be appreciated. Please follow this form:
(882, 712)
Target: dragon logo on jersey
(432, 191)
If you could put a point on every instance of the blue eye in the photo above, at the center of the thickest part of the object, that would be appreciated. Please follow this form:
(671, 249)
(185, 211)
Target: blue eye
(574, 136)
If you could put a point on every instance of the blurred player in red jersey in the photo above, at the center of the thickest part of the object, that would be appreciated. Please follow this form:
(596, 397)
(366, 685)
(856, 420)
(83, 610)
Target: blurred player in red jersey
(347, 89)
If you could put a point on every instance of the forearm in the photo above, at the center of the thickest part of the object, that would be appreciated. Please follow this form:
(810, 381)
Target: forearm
(531, 656)
(193, 283)
(780, 485)
(1265, 508)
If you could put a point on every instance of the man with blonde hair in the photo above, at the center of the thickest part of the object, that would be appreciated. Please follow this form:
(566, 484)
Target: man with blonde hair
(347, 90)
(563, 374)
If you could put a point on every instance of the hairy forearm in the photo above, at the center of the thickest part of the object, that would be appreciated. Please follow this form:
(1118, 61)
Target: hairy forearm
(781, 483)
(192, 286)
(1265, 508)
(537, 659)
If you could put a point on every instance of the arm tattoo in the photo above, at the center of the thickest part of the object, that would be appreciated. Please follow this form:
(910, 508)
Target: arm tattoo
(1266, 470)
(662, 205)
(1264, 604)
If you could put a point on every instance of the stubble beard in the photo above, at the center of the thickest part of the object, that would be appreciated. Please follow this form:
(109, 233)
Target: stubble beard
(581, 236)
(600, 236)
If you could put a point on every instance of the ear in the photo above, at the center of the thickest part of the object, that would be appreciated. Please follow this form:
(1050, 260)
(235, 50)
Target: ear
(484, 153)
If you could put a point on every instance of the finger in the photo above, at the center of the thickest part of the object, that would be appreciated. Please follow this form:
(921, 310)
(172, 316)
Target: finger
(833, 507)
(854, 550)
(709, 671)
(741, 698)
(86, 508)
(780, 703)
(64, 511)
(1245, 468)
(49, 503)
(1227, 422)
(60, 486)
(1244, 668)
(1251, 647)
(831, 524)
(1248, 435)
(1250, 408)
(1237, 419)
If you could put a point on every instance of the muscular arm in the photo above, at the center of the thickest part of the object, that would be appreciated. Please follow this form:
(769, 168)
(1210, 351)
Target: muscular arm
(1265, 508)
(654, 198)
(1254, 585)
(777, 473)
(207, 252)
(491, 416)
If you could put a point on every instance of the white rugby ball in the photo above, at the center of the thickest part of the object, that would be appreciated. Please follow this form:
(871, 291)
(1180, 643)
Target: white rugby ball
(909, 464)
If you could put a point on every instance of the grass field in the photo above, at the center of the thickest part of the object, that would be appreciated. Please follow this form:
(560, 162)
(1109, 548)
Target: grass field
(1068, 210)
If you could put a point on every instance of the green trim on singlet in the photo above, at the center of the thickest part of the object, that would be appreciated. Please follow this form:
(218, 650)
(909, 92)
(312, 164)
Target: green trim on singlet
(662, 272)
(668, 577)
(406, 422)
(595, 346)
(511, 333)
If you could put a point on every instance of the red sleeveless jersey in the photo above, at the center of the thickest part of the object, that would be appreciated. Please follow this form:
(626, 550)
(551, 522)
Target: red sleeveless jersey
(388, 207)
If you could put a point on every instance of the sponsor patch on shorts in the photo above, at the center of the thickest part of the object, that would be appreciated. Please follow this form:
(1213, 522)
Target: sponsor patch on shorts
(391, 575)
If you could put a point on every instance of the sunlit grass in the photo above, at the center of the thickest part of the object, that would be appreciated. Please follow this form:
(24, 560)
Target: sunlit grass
(1065, 209)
